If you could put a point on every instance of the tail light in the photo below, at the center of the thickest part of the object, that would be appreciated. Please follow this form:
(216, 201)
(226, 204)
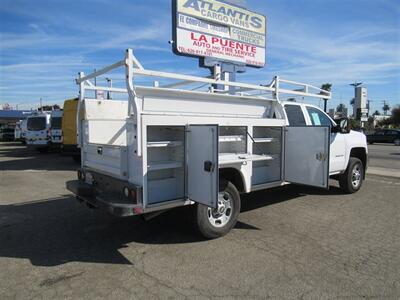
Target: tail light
(129, 193)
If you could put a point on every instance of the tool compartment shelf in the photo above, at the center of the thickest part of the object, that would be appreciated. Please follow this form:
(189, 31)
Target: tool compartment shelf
(165, 163)
(267, 141)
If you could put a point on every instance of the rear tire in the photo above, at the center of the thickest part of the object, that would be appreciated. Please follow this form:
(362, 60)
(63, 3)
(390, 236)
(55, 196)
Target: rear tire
(214, 223)
(352, 179)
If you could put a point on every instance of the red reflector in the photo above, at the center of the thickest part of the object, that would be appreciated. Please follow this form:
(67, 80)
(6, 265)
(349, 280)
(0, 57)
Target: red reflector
(137, 210)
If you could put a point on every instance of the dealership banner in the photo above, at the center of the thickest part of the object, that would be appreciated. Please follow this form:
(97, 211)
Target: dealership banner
(210, 28)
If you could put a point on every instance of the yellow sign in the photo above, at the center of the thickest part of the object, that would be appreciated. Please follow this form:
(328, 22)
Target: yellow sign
(223, 13)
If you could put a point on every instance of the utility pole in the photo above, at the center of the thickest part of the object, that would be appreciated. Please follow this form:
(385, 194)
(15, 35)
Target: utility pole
(41, 105)
(385, 107)
(109, 80)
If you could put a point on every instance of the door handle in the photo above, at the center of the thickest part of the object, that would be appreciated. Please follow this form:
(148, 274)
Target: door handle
(208, 166)
(321, 156)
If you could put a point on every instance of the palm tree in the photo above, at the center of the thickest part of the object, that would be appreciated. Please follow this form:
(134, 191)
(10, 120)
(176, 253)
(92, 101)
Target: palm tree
(385, 108)
(341, 107)
(326, 87)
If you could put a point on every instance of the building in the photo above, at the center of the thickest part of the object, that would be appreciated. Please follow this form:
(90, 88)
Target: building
(361, 104)
(10, 117)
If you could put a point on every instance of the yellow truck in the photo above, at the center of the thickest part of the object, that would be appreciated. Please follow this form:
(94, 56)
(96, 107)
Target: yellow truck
(69, 146)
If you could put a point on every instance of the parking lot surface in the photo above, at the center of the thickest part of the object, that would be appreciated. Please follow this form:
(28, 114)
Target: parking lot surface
(289, 243)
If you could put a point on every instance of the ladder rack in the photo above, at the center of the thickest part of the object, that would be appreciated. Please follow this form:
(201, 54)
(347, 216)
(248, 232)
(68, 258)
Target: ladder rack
(133, 69)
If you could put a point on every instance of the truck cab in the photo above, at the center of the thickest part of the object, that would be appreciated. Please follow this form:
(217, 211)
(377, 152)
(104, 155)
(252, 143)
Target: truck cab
(345, 144)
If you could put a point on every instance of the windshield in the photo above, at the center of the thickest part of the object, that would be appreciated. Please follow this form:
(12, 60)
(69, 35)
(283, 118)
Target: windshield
(37, 123)
(56, 122)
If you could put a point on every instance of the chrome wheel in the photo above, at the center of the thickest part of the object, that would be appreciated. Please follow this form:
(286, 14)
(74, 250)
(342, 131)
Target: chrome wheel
(221, 215)
(356, 176)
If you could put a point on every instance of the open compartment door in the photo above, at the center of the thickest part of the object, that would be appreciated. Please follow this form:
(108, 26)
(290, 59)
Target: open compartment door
(306, 159)
(202, 164)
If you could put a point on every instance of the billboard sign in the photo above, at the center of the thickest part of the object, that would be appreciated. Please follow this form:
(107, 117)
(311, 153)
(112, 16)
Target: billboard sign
(215, 29)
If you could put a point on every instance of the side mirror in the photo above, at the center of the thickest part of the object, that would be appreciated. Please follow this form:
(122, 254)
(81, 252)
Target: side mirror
(343, 125)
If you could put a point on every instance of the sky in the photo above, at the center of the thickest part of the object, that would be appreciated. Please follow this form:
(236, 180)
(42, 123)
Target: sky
(45, 43)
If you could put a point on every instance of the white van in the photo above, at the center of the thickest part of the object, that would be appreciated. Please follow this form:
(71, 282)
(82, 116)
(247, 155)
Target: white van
(38, 131)
(56, 128)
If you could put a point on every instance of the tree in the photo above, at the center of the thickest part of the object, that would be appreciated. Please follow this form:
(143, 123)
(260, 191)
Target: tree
(396, 116)
(376, 113)
(385, 108)
(326, 87)
(354, 124)
(341, 107)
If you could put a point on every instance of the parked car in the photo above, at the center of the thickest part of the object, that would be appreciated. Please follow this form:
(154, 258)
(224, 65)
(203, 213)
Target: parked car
(7, 134)
(385, 136)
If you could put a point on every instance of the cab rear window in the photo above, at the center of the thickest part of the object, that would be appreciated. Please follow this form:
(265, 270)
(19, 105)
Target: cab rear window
(295, 115)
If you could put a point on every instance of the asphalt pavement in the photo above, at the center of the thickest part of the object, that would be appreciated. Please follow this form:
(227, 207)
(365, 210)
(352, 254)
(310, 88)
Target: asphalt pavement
(289, 243)
(384, 160)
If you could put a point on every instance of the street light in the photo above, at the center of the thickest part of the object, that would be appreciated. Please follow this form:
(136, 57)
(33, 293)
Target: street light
(356, 84)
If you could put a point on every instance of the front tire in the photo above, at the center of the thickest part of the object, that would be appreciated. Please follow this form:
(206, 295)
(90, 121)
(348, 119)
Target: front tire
(214, 223)
(352, 179)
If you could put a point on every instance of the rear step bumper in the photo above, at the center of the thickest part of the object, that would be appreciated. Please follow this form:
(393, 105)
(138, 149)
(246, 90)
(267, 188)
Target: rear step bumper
(87, 193)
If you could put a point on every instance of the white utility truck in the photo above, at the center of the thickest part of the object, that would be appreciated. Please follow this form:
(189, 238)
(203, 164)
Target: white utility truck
(179, 144)
(56, 128)
(38, 131)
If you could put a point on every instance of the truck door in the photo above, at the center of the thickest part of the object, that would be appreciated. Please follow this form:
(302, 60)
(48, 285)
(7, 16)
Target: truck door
(306, 159)
(202, 164)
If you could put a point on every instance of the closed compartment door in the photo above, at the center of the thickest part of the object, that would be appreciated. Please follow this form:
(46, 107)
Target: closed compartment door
(202, 164)
(306, 158)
